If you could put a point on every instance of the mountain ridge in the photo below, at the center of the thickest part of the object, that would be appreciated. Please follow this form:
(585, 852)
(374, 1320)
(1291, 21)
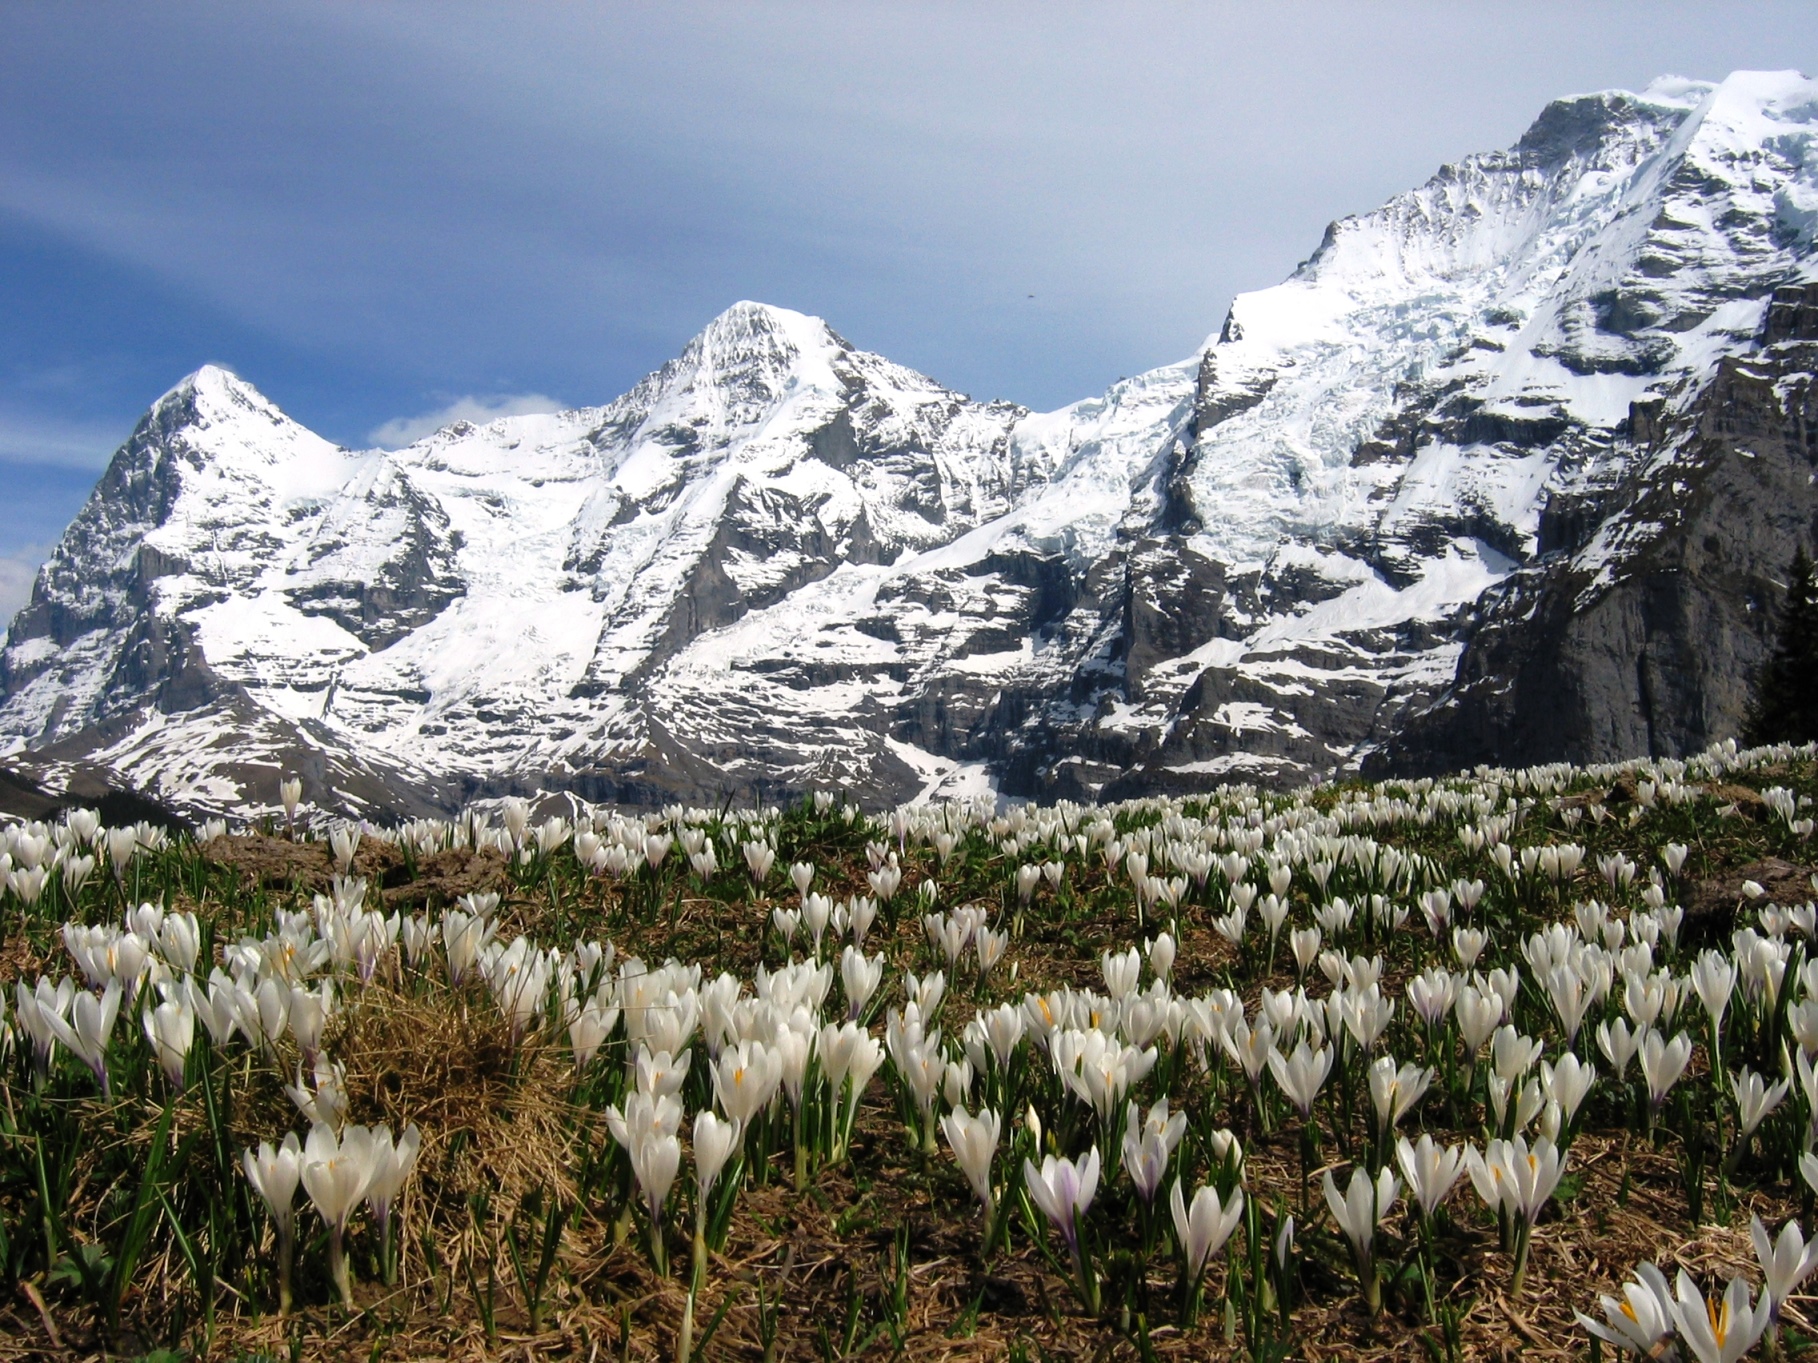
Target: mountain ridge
(781, 562)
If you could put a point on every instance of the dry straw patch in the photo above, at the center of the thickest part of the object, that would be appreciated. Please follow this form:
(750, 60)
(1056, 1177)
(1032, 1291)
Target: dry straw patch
(495, 1119)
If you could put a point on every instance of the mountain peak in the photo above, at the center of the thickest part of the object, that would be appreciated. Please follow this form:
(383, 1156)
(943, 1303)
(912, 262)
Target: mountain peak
(214, 392)
(749, 329)
(752, 315)
(210, 380)
(745, 361)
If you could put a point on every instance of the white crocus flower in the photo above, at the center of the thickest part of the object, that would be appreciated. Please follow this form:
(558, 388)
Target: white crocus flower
(170, 1028)
(1754, 1099)
(926, 993)
(1203, 1227)
(1147, 1147)
(1479, 1013)
(35, 1008)
(861, 975)
(308, 1014)
(326, 1105)
(1662, 1064)
(659, 1072)
(862, 913)
(89, 1029)
(817, 912)
(1714, 978)
(1226, 1150)
(656, 1158)
(1122, 972)
(1302, 1074)
(274, 1175)
(1431, 1170)
(1513, 1054)
(589, 1029)
(1533, 1175)
(1718, 1329)
(1619, 1044)
(1468, 945)
(1393, 1092)
(1567, 1082)
(1004, 1029)
(1641, 1321)
(643, 1112)
(392, 1165)
(1161, 956)
(1305, 945)
(715, 1141)
(974, 1141)
(464, 937)
(263, 1011)
(335, 1175)
(759, 858)
(1358, 1212)
(1432, 994)
(1063, 1191)
(1785, 1263)
(180, 941)
(1521, 1180)
(745, 1077)
(1250, 1047)
(217, 1006)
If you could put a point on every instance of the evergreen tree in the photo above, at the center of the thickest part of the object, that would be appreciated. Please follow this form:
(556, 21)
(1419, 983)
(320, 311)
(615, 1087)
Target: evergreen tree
(1785, 707)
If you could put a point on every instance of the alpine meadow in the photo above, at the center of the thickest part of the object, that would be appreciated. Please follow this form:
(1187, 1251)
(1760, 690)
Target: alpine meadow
(1306, 854)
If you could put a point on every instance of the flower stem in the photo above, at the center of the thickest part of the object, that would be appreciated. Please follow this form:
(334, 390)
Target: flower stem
(684, 1338)
(659, 1244)
(1523, 1231)
(699, 1275)
(287, 1250)
(1088, 1280)
(1372, 1285)
(337, 1266)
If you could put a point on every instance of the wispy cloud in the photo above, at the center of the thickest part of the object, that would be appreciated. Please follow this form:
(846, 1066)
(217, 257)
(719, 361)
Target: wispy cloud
(405, 430)
(38, 439)
(17, 572)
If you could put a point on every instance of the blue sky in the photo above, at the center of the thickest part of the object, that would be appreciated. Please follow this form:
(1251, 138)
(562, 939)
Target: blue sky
(382, 213)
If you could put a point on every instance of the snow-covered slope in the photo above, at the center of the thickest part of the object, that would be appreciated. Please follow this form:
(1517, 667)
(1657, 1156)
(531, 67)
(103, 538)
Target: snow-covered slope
(780, 562)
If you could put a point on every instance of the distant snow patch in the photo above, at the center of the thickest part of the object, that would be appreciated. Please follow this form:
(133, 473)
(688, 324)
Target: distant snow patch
(944, 778)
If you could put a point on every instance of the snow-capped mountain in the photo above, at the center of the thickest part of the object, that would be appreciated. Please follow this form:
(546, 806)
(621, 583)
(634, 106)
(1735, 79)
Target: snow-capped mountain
(781, 563)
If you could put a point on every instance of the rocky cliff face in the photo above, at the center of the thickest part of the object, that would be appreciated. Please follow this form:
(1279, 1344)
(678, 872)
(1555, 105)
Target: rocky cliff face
(1507, 470)
(1640, 627)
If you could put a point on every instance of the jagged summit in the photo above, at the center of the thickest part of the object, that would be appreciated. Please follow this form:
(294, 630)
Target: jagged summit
(213, 384)
(780, 562)
(748, 330)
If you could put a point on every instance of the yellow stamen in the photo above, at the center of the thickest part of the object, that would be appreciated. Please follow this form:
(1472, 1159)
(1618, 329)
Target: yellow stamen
(1718, 1309)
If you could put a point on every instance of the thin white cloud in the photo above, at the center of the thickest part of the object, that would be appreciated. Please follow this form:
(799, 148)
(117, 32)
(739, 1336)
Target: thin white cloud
(17, 572)
(406, 430)
(33, 438)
